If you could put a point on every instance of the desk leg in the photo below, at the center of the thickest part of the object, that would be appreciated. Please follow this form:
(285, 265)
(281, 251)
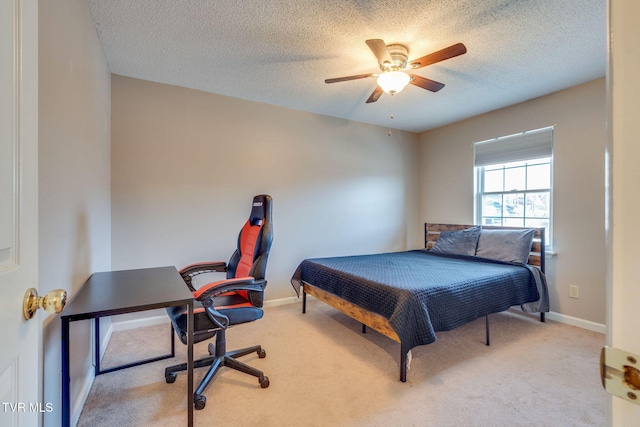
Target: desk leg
(66, 380)
(96, 344)
(190, 364)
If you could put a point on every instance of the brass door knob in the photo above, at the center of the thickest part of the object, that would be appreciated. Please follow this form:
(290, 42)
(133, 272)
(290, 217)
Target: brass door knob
(52, 302)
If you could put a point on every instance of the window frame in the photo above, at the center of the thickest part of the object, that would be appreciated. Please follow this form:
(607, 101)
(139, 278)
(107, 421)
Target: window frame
(478, 194)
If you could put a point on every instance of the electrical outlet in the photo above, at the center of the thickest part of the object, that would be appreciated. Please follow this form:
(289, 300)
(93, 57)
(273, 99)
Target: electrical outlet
(574, 291)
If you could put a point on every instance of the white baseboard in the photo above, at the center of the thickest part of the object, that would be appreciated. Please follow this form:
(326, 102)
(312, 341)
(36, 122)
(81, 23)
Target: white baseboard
(580, 323)
(78, 404)
(281, 301)
(125, 325)
(105, 339)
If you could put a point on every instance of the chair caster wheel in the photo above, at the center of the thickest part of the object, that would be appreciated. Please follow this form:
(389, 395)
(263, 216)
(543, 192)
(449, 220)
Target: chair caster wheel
(262, 354)
(170, 378)
(264, 382)
(199, 402)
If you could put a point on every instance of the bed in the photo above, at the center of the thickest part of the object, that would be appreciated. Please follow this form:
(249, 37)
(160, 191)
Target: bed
(464, 272)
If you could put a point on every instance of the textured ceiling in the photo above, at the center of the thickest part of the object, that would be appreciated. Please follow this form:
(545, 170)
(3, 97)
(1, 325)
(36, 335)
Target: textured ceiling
(280, 51)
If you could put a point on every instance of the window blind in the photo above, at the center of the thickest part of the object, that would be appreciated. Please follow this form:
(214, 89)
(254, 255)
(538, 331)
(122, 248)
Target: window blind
(529, 145)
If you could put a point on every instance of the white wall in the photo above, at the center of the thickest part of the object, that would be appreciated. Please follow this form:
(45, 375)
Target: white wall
(74, 177)
(186, 164)
(578, 114)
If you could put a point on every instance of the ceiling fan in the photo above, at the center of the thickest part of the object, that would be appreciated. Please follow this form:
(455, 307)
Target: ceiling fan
(394, 64)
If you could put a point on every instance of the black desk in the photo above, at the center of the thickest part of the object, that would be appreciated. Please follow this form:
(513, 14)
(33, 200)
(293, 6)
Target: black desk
(119, 292)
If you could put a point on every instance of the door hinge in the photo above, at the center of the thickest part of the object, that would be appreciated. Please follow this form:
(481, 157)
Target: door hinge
(620, 373)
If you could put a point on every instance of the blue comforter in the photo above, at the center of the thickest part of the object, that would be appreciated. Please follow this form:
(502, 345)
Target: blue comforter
(422, 293)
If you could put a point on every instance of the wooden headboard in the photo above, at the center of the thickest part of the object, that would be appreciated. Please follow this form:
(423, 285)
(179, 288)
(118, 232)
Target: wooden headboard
(536, 257)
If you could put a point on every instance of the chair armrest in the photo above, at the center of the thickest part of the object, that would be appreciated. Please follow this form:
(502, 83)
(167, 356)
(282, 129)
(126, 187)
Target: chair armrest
(205, 295)
(219, 287)
(192, 270)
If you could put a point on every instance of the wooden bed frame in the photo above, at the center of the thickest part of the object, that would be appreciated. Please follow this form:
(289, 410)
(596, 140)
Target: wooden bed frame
(381, 324)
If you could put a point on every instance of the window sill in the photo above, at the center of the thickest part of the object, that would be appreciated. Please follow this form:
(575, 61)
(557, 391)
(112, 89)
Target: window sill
(549, 253)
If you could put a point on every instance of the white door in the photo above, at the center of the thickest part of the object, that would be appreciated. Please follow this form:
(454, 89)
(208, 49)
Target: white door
(20, 388)
(624, 192)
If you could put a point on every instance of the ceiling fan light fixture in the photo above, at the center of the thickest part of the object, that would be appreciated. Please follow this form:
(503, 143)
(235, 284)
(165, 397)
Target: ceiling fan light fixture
(393, 82)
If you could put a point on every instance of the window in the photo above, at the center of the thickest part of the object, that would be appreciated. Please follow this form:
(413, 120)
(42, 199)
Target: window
(514, 180)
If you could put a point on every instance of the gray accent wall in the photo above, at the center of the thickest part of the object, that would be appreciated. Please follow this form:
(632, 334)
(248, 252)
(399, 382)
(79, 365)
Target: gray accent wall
(74, 181)
(578, 115)
(186, 165)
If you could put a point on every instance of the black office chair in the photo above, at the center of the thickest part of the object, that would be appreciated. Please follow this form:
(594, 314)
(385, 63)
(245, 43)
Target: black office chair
(220, 304)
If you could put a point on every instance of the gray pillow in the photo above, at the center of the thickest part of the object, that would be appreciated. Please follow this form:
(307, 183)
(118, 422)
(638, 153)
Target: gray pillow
(505, 245)
(459, 242)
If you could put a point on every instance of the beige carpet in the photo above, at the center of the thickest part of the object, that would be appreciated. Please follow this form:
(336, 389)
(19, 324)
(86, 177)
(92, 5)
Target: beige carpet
(325, 372)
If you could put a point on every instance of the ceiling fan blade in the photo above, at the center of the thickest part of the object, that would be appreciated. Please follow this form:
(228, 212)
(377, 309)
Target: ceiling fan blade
(375, 95)
(424, 83)
(379, 49)
(441, 55)
(344, 79)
